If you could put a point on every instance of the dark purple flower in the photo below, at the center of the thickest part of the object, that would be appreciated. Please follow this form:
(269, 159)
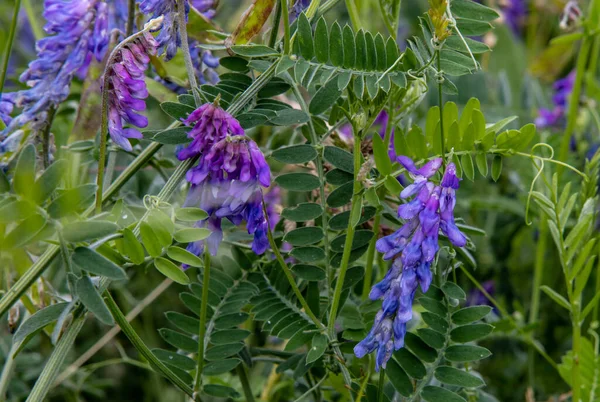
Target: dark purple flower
(127, 89)
(227, 181)
(211, 124)
(413, 248)
(80, 33)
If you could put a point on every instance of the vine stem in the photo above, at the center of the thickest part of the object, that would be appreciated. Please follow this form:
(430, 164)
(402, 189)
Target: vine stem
(202, 329)
(38, 32)
(130, 18)
(7, 370)
(104, 120)
(380, 385)
(276, 23)
(286, 26)
(288, 273)
(243, 374)
(141, 347)
(185, 48)
(354, 15)
(370, 259)
(8, 49)
(440, 101)
(538, 274)
(355, 209)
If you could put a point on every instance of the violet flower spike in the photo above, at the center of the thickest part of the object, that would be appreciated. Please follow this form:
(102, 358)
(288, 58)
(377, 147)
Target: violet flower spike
(413, 248)
(79, 30)
(127, 89)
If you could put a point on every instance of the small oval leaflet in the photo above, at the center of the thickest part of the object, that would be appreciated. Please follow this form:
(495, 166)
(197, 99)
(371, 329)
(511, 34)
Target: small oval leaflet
(298, 181)
(295, 154)
(304, 236)
(302, 212)
(309, 272)
(88, 230)
(171, 271)
(189, 235)
(38, 321)
(90, 261)
(89, 296)
(183, 256)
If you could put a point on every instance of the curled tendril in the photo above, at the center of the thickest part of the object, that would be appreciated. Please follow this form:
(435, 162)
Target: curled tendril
(153, 202)
(540, 170)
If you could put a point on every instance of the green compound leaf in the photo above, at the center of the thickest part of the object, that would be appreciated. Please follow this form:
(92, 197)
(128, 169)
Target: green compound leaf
(171, 271)
(91, 299)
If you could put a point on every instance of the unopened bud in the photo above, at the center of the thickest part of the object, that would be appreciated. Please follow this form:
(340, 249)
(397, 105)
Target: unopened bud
(571, 16)
(13, 318)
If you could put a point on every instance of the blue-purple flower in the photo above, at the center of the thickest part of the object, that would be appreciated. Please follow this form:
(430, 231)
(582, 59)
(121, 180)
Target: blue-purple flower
(556, 116)
(80, 33)
(168, 38)
(127, 89)
(297, 9)
(227, 181)
(7, 104)
(412, 248)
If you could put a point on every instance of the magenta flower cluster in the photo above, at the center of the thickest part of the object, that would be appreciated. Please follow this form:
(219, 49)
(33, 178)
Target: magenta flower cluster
(127, 89)
(227, 180)
(79, 32)
(412, 248)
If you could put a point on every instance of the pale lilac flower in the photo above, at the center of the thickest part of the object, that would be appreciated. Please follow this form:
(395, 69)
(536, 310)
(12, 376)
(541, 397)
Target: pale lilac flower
(413, 248)
(168, 38)
(127, 89)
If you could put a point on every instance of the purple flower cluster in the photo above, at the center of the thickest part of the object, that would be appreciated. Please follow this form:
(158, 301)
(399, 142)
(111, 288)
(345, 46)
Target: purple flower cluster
(168, 38)
(80, 33)
(555, 116)
(127, 89)
(413, 248)
(205, 7)
(227, 181)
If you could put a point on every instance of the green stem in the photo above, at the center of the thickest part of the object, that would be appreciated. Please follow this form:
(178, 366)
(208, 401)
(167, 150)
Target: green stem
(55, 362)
(288, 273)
(380, 385)
(130, 18)
(8, 49)
(46, 137)
(356, 204)
(597, 306)
(141, 347)
(441, 104)
(36, 27)
(275, 26)
(243, 374)
(185, 48)
(488, 296)
(535, 291)
(104, 118)
(573, 108)
(370, 259)
(202, 329)
(354, 15)
(7, 370)
(286, 26)
(576, 369)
